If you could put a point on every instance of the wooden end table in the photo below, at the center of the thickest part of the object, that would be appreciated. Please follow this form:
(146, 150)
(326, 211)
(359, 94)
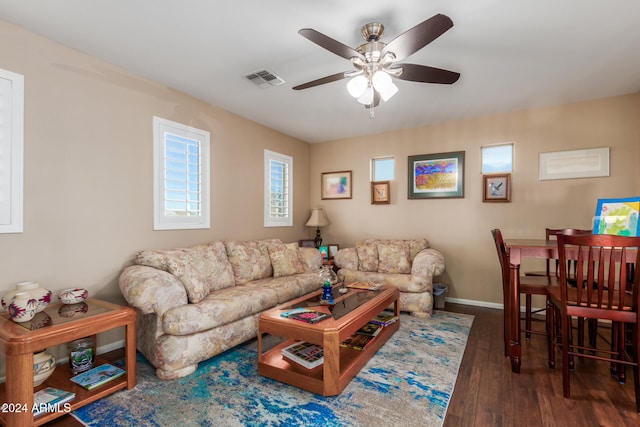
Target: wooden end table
(19, 341)
(340, 364)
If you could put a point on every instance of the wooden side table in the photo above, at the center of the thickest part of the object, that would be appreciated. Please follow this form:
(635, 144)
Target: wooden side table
(52, 327)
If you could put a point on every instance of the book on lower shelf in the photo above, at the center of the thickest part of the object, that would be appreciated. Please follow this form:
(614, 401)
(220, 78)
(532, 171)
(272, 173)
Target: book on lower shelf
(305, 354)
(358, 341)
(98, 376)
(307, 315)
(51, 400)
(385, 318)
(371, 329)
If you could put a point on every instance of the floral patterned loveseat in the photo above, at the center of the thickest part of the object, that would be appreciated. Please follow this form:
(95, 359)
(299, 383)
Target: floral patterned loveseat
(196, 302)
(408, 264)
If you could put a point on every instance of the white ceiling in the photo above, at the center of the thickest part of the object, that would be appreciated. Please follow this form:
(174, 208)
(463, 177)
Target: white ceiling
(512, 55)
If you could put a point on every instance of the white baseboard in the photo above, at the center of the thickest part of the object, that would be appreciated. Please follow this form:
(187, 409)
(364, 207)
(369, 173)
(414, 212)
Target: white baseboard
(486, 304)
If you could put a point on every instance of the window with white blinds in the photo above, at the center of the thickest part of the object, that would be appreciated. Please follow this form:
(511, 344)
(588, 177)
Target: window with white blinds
(278, 195)
(11, 151)
(181, 162)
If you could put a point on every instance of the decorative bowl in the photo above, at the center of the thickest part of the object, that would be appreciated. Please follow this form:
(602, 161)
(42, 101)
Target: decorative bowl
(73, 295)
(43, 366)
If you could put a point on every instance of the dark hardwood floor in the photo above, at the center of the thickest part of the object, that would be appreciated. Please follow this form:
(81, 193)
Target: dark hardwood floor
(488, 394)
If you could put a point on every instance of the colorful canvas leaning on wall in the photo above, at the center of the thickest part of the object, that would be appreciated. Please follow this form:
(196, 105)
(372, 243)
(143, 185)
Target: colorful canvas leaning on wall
(617, 216)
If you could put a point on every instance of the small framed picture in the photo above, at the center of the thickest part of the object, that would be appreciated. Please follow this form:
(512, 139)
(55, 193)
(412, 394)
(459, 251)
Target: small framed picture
(380, 193)
(333, 249)
(324, 251)
(307, 243)
(496, 188)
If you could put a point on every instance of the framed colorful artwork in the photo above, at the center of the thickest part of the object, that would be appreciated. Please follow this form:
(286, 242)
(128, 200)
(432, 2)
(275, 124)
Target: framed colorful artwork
(436, 175)
(496, 187)
(335, 185)
(324, 251)
(617, 216)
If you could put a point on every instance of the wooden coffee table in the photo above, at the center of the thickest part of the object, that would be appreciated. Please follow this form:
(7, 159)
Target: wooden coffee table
(340, 364)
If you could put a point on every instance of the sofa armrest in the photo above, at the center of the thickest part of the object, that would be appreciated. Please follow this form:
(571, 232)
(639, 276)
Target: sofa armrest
(151, 290)
(428, 263)
(311, 258)
(346, 258)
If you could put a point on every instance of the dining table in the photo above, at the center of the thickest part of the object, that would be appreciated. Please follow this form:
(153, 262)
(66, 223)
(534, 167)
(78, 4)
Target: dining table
(517, 249)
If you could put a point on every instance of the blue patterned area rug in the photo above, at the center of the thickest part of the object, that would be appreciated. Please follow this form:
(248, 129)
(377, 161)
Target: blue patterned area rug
(409, 382)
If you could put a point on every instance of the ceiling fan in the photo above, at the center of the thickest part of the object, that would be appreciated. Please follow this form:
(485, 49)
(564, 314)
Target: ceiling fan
(376, 62)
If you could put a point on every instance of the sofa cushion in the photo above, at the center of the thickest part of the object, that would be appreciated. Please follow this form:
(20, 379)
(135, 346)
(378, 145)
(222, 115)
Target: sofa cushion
(250, 260)
(416, 246)
(367, 256)
(218, 308)
(200, 268)
(285, 259)
(310, 258)
(394, 256)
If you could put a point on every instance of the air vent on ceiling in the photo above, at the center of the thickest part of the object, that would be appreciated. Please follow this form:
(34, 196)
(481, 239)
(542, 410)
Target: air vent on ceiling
(264, 79)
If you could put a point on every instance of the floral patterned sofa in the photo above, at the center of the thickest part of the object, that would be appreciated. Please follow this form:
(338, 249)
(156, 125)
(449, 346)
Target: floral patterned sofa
(408, 264)
(196, 302)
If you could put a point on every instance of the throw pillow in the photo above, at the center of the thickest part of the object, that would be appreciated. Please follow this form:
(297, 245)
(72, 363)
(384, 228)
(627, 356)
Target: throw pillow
(285, 259)
(367, 256)
(249, 260)
(394, 257)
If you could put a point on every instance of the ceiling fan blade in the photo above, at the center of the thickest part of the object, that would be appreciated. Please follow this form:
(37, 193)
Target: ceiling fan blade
(330, 44)
(318, 82)
(425, 74)
(418, 37)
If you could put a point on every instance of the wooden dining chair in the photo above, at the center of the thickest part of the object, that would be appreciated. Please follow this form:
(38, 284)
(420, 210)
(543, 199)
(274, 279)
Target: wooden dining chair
(601, 260)
(528, 285)
(551, 234)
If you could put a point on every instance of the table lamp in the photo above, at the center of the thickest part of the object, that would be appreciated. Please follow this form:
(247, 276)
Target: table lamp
(317, 219)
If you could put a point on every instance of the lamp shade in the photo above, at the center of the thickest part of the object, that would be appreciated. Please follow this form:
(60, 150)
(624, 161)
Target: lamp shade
(318, 218)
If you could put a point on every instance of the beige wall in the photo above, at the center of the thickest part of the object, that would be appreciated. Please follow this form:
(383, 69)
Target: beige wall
(88, 203)
(460, 228)
(88, 175)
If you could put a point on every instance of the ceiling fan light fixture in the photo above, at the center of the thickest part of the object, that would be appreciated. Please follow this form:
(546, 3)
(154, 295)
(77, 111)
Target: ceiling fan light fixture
(388, 92)
(357, 86)
(367, 97)
(384, 85)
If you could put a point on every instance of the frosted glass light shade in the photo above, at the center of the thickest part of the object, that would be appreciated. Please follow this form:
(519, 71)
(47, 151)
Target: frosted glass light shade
(357, 86)
(367, 96)
(384, 85)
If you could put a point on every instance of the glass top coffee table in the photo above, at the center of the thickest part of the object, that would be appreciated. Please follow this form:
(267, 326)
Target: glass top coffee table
(353, 310)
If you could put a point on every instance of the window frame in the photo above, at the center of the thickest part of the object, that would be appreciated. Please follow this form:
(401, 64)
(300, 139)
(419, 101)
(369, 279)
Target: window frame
(161, 221)
(373, 169)
(12, 169)
(484, 163)
(269, 220)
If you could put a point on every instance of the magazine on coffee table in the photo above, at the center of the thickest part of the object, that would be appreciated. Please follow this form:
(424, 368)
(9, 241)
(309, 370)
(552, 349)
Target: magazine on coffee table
(306, 315)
